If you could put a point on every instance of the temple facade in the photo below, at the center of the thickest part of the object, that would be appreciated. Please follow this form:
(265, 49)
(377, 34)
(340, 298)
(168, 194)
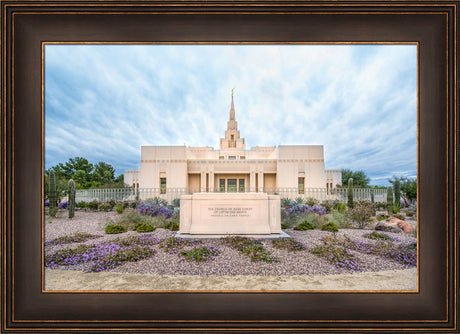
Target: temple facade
(288, 169)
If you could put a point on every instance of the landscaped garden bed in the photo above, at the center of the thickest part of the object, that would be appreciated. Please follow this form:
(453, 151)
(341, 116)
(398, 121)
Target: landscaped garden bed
(81, 243)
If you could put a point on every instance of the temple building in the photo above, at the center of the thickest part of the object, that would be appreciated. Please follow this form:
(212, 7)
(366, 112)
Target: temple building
(286, 169)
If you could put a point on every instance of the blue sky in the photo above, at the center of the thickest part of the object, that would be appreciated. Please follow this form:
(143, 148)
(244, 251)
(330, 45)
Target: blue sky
(103, 102)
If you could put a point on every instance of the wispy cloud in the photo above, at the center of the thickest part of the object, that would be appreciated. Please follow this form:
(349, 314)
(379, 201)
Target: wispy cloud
(104, 101)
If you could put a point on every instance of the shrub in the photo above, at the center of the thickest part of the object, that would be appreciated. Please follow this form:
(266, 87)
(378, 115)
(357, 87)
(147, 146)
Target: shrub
(171, 225)
(142, 227)
(330, 227)
(340, 207)
(291, 220)
(311, 201)
(106, 255)
(176, 202)
(380, 205)
(115, 229)
(361, 215)
(409, 213)
(399, 216)
(201, 254)
(284, 226)
(337, 255)
(130, 218)
(63, 205)
(396, 208)
(303, 209)
(306, 225)
(340, 219)
(382, 217)
(105, 207)
(93, 205)
(328, 205)
(119, 208)
(252, 248)
(174, 245)
(367, 204)
(112, 203)
(288, 244)
(154, 209)
(81, 205)
(286, 202)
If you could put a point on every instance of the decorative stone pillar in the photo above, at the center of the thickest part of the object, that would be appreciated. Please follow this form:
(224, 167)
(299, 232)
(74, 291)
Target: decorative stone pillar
(211, 181)
(252, 181)
(260, 182)
(203, 181)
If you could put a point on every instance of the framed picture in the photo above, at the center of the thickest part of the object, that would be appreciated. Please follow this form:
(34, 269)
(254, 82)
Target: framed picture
(29, 28)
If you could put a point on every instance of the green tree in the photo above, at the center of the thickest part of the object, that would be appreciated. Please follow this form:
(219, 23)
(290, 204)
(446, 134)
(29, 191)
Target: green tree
(68, 168)
(80, 178)
(360, 179)
(105, 172)
(85, 175)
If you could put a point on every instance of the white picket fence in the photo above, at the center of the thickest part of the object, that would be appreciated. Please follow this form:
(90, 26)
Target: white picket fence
(321, 194)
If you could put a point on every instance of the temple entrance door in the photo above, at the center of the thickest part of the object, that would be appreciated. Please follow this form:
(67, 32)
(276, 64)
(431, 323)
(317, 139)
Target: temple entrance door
(231, 185)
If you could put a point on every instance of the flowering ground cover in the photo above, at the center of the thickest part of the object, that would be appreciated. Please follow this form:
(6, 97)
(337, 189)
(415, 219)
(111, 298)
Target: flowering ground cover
(306, 251)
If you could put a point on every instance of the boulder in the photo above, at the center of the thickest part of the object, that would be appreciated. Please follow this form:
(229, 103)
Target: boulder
(387, 228)
(400, 224)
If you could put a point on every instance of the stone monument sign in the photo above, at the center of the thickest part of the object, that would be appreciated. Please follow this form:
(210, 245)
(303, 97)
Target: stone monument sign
(230, 213)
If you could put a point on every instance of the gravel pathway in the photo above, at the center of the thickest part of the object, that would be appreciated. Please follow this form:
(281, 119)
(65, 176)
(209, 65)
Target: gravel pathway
(229, 262)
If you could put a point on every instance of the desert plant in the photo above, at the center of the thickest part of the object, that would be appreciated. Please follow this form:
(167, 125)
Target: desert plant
(390, 200)
(350, 193)
(52, 212)
(382, 217)
(361, 214)
(130, 218)
(288, 244)
(81, 205)
(397, 190)
(310, 201)
(119, 208)
(171, 225)
(286, 202)
(115, 229)
(176, 202)
(328, 205)
(340, 207)
(201, 254)
(252, 248)
(340, 219)
(306, 225)
(143, 227)
(52, 192)
(71, 198)
(409, 213)
(398, 215)
(331, 227)
(93, 205)
(105, 207)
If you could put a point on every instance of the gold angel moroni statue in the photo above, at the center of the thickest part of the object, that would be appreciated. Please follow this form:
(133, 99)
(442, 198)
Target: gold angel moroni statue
(232, 91)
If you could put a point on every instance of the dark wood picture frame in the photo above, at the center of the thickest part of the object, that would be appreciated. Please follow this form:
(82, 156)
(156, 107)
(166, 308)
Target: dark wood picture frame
(26, 25)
